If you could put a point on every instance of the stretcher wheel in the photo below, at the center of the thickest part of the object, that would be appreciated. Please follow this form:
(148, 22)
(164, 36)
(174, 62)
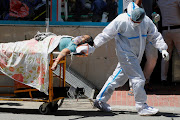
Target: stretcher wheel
(45, 108)
(54, 108)
(60, 104)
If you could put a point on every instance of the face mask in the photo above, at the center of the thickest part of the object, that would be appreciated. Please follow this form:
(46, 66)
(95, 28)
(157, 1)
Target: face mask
(77, 40)
(134, 24)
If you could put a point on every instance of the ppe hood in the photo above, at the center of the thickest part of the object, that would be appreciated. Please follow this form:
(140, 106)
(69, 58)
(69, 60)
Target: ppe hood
(131, 6)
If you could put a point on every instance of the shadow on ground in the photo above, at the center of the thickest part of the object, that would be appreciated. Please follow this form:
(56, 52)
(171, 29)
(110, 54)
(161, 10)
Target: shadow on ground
(82, 114)
(11, 104)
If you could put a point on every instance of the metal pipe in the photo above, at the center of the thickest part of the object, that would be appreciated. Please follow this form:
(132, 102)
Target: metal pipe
(47, 15)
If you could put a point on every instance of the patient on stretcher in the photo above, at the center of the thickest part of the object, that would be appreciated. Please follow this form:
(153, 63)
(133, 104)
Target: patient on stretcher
(27, 61)
(80, 44)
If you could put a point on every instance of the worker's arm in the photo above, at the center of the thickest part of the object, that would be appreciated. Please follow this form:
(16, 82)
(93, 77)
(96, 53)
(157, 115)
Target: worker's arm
(62, 54)
(138, 2)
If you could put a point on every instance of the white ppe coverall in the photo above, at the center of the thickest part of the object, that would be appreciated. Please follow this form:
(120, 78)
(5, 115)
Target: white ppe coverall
(130, 45)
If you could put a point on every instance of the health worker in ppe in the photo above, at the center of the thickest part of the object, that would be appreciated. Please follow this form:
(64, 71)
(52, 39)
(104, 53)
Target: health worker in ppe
(131, 31)
(151, 53)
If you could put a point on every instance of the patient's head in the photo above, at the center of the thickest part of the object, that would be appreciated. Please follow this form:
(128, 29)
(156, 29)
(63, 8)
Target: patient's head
(79, 40)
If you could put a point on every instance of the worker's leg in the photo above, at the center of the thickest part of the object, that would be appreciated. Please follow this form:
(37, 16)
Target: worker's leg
(117, 79)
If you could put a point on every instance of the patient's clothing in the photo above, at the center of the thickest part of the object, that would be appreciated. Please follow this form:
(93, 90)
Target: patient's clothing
(66, 42)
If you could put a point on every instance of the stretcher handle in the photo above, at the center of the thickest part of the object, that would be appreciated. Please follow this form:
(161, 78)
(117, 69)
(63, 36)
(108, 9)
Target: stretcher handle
(57, 53)
(78, 54)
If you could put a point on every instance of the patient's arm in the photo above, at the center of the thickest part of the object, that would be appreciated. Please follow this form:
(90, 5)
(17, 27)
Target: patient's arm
(62, 54)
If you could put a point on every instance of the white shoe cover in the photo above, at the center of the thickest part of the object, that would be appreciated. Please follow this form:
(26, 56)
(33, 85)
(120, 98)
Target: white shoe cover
(102, 106)
(147, 110)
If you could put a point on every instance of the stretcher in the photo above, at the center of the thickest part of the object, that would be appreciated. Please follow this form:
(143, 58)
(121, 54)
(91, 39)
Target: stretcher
(50, 101)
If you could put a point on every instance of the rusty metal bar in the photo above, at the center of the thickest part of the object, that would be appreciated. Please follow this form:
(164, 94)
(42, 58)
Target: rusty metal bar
(22, 99)
(51, 79)
(64, 72)
(27, 90)
(7, 94)
(60, 76)
(30, 94)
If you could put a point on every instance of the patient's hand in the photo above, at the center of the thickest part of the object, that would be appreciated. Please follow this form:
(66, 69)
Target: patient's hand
(54, 66)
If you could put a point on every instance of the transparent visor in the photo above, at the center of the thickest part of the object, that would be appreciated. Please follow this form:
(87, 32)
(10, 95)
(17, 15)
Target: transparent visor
(77, 40)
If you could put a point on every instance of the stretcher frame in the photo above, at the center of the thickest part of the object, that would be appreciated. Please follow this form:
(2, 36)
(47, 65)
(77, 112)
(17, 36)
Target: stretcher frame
(50, 104)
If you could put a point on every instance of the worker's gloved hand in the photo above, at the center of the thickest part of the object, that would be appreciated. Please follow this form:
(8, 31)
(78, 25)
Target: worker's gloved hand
(155, 17)
(165, 55)
(91, 49)
(85, 48)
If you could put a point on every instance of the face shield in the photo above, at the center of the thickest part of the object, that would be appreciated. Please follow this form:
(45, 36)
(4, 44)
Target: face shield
(79, 40)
